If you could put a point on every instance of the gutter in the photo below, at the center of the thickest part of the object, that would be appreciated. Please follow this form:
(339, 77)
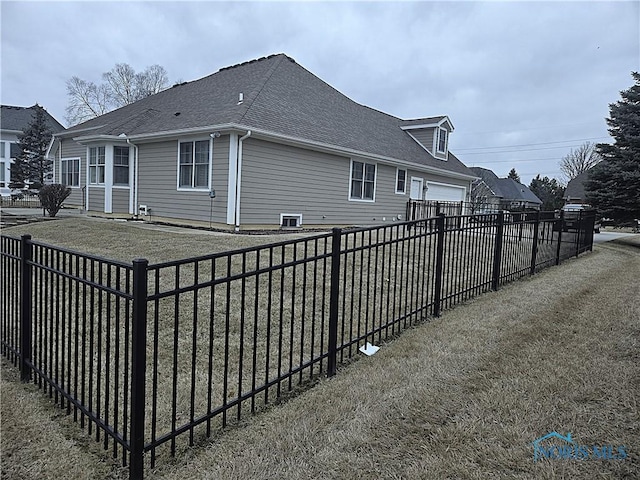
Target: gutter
(238, 179)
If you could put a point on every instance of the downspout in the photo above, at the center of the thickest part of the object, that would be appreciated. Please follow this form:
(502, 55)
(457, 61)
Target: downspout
(135, 178)
(238, 178)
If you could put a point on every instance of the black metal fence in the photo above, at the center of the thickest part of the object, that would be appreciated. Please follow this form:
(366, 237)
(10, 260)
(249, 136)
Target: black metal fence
(151, 358)
(31, 201)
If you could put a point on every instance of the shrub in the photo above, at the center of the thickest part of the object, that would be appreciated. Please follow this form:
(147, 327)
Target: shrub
(52, 197)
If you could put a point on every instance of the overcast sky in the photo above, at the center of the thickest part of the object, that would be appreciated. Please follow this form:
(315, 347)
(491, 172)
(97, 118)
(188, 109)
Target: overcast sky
(522, 82)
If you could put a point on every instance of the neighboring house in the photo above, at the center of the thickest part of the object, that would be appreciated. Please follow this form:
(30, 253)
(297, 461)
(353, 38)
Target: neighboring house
(13, 121)
(574, 193)
(277, 145)
(502, 193)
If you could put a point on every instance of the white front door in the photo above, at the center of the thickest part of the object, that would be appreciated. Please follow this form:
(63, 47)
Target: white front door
(416, 188)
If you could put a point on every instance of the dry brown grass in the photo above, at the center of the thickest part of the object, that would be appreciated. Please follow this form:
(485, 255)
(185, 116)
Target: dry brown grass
(465, 395)
(461, 397)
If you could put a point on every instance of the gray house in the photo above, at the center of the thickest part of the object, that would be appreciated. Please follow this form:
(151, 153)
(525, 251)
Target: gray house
(13, 121)
(502, 193)
(277, 145)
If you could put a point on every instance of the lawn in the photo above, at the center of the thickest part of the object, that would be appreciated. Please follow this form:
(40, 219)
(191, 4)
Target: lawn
(461, 397)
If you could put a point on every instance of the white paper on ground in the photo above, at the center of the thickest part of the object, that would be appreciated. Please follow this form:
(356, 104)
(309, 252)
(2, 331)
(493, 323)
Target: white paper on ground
(369, 349)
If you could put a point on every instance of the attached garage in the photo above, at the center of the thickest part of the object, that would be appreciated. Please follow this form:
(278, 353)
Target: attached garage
(445, 193)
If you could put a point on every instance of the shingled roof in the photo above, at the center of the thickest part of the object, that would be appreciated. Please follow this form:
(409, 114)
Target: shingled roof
(16, 119)
(505, 188)
(279, 97)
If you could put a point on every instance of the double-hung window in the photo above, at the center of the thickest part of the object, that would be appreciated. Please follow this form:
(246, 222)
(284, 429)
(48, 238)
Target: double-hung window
(401, 181)
(96, 165)
(70, 172)
(121, 165)
(193, 164)
(363, 180)
(442, 140)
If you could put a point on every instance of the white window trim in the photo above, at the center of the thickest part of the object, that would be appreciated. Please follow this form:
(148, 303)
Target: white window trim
(375, 181)
(113, 166)
(401, 192)
(436, 147)
(79, 171)
(104, 165)
(291, 215)
(193, 189)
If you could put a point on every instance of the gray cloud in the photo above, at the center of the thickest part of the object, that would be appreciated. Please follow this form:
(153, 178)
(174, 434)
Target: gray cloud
(506, 73)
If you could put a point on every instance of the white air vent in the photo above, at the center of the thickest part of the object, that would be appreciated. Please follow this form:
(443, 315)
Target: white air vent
(290, 220)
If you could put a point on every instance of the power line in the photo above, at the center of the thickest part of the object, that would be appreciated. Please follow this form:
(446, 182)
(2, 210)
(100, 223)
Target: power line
(534, 144)
(518, 160)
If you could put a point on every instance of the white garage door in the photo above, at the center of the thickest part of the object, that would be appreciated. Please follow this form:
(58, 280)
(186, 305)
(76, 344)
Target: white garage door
(445, 193)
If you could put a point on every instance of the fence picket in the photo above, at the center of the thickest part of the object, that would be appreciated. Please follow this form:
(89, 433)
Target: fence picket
(261, 315)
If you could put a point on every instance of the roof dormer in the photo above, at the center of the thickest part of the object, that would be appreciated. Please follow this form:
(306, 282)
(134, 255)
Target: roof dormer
(431, 133)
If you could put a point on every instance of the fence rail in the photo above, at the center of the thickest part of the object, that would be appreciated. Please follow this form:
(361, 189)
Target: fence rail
(152, 357)
(32, 201)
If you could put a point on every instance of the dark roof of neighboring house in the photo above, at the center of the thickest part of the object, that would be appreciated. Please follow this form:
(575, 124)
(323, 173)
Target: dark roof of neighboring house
(575, 187)
(18, 118)
(505, 188)
(280, 97)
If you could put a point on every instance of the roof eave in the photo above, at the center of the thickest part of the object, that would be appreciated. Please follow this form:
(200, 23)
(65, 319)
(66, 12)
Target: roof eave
(442, 121)
(338, 150)
(290, 140)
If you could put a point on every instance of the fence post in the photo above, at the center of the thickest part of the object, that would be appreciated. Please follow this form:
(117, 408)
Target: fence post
(497, 251)
(334, 296)
(560, 229)
(437, 300)
(534, 248)
(579, 231)
(25, 306)
(138, 368)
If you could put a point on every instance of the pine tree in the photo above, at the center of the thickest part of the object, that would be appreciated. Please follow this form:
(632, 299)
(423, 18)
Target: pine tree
(613, 186)
(549, 190)
(514, 175)
(31, 165)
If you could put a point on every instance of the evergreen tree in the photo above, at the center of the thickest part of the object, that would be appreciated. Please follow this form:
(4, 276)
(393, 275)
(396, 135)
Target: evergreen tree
(514, 175)
(613, 186)
(31, 165)
(550, 191)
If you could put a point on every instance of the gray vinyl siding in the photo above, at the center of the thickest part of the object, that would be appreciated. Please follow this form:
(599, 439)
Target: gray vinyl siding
(96, 199)
(158, 167)
(283, 179)
(120, 200)
(425, 137)
(71, 149)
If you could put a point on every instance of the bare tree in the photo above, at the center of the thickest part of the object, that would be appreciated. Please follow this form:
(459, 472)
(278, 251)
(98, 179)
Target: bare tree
(121, 86)
(153, 80)
(121, 82)
(579, 160)
(86, 100)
